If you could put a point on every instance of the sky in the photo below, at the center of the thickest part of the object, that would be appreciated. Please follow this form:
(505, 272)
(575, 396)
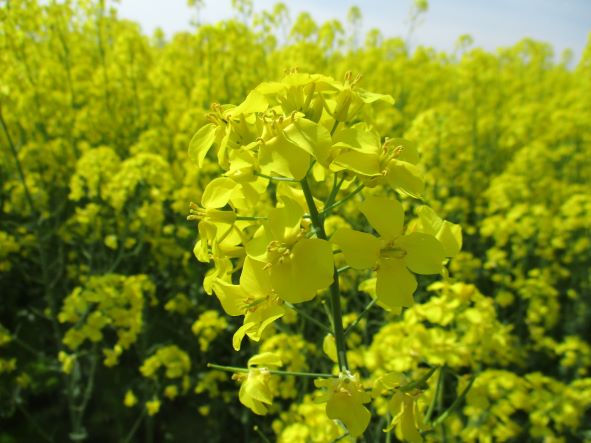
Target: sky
(491, 23)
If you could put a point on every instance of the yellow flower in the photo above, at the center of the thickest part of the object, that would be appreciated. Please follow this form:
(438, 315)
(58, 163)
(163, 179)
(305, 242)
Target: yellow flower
(344, 401)
(255, 392)
(130, 399)
(402, 408)
(298, 266)
(153, 406)
(254, 298)
(393, 254)
(171, 392)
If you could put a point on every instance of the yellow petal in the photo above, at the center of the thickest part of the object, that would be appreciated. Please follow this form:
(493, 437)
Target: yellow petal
(353, 414)
(310, 269)
(231, 297)
(359, 162)
(201, 143)
(217, 193)
(359, 139)
(329, 346)
(284, 223)
(279, 156)
(254, 279)
(408, 427)
(424, 253)
(265, 359)
(310, 137)
(405, 177)
(254, 102)
(395, 285)
(450, 236)
(361, 250)
(386, 215)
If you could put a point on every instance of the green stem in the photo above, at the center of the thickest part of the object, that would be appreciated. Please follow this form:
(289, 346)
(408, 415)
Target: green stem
(135, 426)
(356, 191)
(250, 218)
(308, 317)
(277, 179)
(263, 436)
(19, 166)
(420, 383)
(436, 395)
(271, 371)
(334, 127)
(457, 402)
(337, 314)
(361, 315)
(336, 186)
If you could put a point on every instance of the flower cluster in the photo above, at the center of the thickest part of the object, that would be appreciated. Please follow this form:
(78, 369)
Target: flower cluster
(262, 224)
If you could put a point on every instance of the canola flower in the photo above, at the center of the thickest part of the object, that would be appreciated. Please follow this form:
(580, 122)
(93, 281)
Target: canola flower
(288, 133)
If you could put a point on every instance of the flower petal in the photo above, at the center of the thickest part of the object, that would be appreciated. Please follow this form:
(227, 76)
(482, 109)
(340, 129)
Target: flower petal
(310, 269)
(201, 143)
(405, 177)
(424, 253)
(385, 215)
(280, 156)
(254, 279)
(361, 250)
(395, 284)
(231, 297)
(353, 414)
(218, 192)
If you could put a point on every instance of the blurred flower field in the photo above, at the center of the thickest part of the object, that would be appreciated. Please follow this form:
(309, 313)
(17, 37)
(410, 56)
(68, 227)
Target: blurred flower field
(272, 229)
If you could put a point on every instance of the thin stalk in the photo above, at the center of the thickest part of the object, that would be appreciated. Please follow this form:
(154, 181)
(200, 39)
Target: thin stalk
(250, 218)
(135, 426)
(328, 311)
(420, 383)
(277, 179)
(34, 424)
(436, 395)
(336, 186)
(343, 269)
(19, 166)
(335, 296)
(356, 191)
(272, 371)
(334, 127)
(308, 317)
(263, 436)
(361, 315)
(457, 402)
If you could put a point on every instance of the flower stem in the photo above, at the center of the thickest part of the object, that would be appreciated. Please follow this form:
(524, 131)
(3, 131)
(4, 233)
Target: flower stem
(308, 317)
(420, 383)
(277, 179)
(337, 314)
(457, 402)
(272, 371)
(353, 193)
(361, 315)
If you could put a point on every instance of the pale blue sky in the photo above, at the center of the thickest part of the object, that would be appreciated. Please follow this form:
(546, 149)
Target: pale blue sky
(492, 23)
